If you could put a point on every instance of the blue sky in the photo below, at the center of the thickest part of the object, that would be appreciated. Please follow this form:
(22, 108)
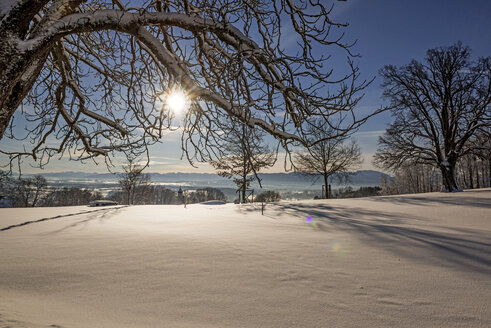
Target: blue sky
(387, 32)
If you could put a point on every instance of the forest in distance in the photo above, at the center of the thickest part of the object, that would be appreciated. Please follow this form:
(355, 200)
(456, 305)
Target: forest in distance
(78, 188)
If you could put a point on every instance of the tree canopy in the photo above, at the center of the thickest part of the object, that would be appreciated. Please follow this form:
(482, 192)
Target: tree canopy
(441, 109)
(332, 157)
(89, 77)
(245, 155)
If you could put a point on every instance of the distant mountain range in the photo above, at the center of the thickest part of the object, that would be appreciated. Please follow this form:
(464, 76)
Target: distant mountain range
(269, 180)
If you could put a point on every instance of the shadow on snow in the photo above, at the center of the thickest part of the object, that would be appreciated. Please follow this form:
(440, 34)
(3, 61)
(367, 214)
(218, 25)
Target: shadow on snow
(461, 248)
(104, 211)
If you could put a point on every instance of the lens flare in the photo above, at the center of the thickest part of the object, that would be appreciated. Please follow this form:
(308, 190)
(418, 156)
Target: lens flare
(176, 100)
(336, 247)
(312, 223)
(339, 249)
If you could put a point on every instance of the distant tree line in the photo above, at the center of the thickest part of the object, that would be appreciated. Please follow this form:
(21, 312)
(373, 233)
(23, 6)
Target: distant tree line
(138, 189)
(160, 195)
(410, 179)
(474, 170)
(70, 196)
(349, 192)
(35, 192)
(268, 196)
(471, 172)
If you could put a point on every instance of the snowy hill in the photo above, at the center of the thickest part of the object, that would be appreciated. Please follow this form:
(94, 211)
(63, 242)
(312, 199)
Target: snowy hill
(402, 261)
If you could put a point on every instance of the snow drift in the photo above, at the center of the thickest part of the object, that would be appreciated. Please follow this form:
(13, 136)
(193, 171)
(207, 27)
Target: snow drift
(403, 261)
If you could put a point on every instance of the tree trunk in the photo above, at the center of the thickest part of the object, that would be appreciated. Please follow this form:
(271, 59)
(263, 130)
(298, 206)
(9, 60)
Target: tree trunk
(10, 88)
(326, 186)
(244, 190)
(19, 72)
(471, 174)
(448, 177)
(128, 196)
(478, 182)
(20, 69)
(489, 173)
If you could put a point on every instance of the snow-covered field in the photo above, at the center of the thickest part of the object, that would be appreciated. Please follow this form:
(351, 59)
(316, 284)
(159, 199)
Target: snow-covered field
(404, 261)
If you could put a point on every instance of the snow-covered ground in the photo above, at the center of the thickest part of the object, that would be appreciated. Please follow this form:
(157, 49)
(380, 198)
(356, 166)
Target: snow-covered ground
(403, 261)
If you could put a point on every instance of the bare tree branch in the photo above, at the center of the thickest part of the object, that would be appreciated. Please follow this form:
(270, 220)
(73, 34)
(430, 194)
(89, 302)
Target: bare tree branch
(439, 107)
(91, 74)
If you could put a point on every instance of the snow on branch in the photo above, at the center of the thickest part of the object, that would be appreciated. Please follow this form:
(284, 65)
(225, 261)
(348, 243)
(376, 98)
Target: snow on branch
(103, 65)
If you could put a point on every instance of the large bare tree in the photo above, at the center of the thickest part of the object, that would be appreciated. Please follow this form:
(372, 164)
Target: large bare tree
(439, 106)
(90, 75)
(331, 157)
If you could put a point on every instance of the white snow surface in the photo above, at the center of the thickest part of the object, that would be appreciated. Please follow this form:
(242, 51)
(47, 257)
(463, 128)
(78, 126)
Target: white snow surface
(213, 202)
(401, 261)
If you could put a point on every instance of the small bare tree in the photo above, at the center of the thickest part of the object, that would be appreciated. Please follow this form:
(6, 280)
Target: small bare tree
(133, 182)
(439, 105)
(28, 191)
(4, 179)
(245, 155)
(331, 157)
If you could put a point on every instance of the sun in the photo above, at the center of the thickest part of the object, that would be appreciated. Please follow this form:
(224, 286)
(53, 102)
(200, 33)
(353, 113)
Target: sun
(177, 101)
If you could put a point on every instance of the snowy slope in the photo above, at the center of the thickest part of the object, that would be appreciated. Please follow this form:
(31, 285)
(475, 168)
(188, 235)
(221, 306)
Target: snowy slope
(404, 261)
